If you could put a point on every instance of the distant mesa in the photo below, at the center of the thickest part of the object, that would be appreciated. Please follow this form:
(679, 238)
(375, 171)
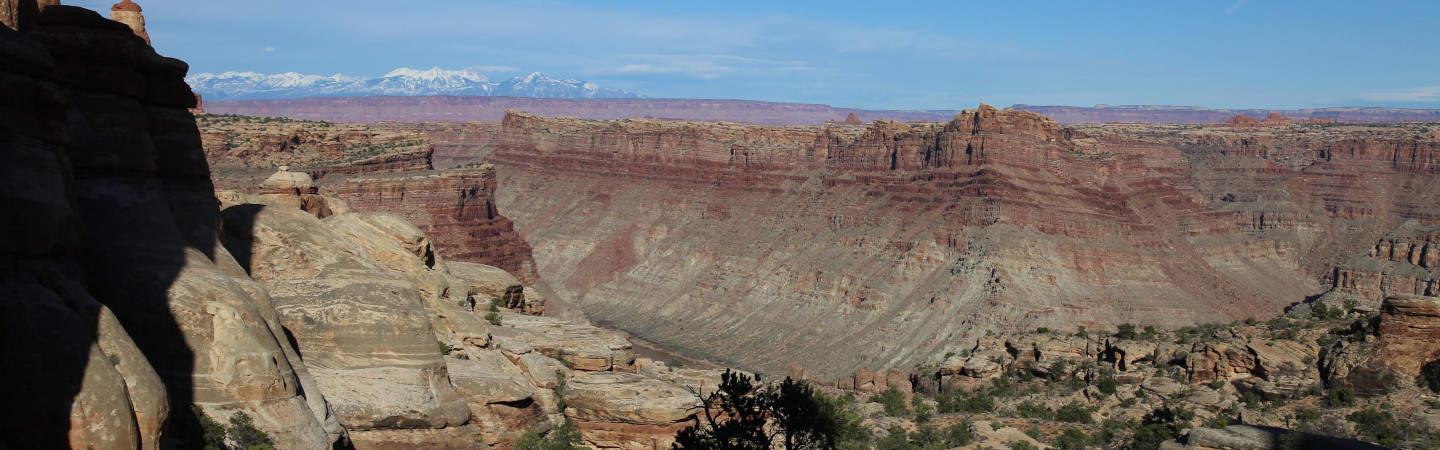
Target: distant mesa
(1271, 120)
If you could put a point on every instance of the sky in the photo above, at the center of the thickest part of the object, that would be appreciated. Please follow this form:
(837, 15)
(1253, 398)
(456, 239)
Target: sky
(869, 54)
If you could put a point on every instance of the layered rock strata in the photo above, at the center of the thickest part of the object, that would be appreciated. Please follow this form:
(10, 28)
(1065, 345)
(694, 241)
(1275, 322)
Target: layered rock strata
(1112, 223)
(373, 169)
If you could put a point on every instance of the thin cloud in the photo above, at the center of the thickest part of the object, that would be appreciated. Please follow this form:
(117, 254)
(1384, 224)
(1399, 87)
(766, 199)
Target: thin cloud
(494, 68)
(269, 49)
(1236, 6)
(1412, 95)
(702, 66)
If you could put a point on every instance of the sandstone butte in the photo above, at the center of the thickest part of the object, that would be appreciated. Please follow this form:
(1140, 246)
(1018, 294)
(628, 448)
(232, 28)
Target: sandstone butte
(892, 242)
(137, 299)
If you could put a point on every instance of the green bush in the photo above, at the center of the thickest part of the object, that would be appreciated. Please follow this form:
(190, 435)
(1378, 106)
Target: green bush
(1022, 445)
(1339, 398)
(496, 303)
(493, 318)
(893, 401)
(243, 432)
(567, 437)
(1126, 331)
(1376, 426)
(1071, 439)
(977, 402)
(1032, 410)
(1106, 384)
(443, 347)
(960, 434)
(895, 439)
(1074, 412)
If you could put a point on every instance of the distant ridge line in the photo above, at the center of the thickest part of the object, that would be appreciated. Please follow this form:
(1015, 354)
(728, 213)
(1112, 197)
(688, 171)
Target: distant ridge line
(452, 108)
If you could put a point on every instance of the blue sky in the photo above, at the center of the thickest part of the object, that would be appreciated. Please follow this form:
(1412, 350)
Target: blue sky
(912, 55)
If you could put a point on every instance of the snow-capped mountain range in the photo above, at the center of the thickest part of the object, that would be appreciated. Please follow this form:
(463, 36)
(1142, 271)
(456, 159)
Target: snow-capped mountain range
(399, 82)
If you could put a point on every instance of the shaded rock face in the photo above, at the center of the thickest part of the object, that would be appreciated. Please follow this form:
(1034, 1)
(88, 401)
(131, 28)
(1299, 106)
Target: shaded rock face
(889, 242)
(113, 274)
(1408, 338)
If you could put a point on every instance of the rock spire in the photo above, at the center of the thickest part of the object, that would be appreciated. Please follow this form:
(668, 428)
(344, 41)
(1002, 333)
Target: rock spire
(129, 13)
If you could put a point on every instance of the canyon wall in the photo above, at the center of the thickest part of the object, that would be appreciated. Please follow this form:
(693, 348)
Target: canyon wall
(373, 169)
(890, 242)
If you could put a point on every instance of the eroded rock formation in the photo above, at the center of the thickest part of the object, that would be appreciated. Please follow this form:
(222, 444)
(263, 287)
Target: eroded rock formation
(374, 170)
(132, 310)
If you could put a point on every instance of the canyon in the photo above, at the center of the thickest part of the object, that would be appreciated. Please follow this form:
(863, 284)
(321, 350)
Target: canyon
(891, 242)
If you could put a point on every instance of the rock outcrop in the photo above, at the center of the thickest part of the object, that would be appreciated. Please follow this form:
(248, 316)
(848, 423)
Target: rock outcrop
(1407, 337)
(130, 14)
(121, 308)
(373, 170)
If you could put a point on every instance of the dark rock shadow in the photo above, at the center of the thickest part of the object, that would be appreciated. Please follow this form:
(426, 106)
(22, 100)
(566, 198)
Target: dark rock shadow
(109, 201)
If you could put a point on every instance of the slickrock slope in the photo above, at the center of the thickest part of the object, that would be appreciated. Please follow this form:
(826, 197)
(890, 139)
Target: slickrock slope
(366, 297)
(373, 170)
(120, 308)
(764, 246)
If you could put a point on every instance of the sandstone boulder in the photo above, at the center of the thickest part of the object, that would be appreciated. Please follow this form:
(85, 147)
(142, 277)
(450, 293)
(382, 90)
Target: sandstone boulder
(622, 410)
(1409, 338)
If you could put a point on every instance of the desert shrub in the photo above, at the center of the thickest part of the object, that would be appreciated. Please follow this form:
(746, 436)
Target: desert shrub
(244, 434)
(1251, 399)
(1339, 398)
(566, 437)
(442, 346)
(895, 439)
(496, 303)
(1217, 384)
(1149, 333)
(1376, 426)
(1034, 432)
(212, 433)
(1430, 376)
(922, 411)
(1022, 445)
(893, 401)
(1071, 439)
(966, 402)
(1074, 412)
(493, 318)
(1126, 331)
(1032, 410)
(738, 413)
(960, 434)
(1106, 384)
(1160, 425)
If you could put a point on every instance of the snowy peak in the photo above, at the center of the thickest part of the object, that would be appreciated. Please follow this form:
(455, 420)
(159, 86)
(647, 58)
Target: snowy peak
(403, 81)
(436, 73)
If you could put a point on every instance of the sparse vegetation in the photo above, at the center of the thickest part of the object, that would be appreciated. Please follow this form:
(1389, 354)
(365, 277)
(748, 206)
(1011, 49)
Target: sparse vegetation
(493, 317)
(893, 401)
(565, 437)
(240, 435)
